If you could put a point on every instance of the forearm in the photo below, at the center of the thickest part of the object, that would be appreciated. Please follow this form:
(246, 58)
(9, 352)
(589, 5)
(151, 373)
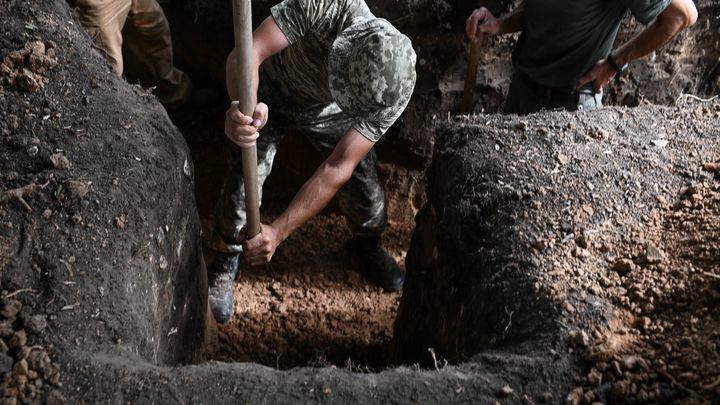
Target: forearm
(317, 192)
(231, 70)
(679, 15)
(267, 40)
(514, 21)
(314, 195)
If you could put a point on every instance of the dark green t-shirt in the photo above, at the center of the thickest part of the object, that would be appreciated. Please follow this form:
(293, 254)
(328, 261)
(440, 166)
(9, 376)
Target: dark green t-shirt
(563, 39)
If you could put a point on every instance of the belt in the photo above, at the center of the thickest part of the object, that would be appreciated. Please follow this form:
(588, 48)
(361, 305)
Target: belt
(542, 90)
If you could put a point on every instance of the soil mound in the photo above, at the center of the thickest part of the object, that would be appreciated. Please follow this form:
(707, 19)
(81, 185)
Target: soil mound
(556, 228)
(532, 256)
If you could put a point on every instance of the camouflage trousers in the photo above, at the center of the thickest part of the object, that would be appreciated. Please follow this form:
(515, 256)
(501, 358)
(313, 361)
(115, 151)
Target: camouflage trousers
(526, 96)
(361, 199)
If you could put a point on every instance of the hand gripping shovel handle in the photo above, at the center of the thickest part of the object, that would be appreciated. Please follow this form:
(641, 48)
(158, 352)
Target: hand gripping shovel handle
(247, 98)
(473, 55)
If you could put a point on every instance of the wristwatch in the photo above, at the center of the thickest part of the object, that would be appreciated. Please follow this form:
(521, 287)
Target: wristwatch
(619, 69)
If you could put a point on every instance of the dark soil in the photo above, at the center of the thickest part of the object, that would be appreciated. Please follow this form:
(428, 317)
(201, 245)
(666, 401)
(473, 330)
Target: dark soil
(99, 155)
(109, 253)
(664, 345)
(607, 217)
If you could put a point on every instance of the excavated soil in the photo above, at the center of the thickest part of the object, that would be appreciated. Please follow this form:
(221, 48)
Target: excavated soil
(596, 229)
(97, 298)
(663, 344)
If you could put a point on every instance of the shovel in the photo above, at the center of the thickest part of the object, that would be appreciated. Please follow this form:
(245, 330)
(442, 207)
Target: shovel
(242, 22)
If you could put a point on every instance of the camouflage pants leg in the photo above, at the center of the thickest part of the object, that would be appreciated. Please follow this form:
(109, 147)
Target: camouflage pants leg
(230, 209)
(361, 199)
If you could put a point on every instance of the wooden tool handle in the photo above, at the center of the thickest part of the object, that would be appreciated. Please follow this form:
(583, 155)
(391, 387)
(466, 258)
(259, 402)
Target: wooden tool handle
(473, 55)
(247, 98)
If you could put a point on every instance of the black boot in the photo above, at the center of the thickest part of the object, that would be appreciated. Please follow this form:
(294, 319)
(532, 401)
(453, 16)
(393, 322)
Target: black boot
(221, 276)
(380, 268)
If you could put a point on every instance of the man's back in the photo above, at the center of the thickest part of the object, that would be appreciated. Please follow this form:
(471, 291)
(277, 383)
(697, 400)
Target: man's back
(300, 73)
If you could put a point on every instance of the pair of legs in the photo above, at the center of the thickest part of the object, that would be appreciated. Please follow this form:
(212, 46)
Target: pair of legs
(134, 36)
(361, 200)
(525, 97)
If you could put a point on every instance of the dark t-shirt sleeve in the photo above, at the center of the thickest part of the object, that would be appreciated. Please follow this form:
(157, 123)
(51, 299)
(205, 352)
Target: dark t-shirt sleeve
(646, 10)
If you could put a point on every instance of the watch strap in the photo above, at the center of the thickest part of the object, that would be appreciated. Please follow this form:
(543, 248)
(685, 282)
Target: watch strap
(611, 62)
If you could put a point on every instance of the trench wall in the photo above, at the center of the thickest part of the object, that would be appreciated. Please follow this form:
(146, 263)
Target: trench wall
(119, 272)
(515, 247)
(112, 246)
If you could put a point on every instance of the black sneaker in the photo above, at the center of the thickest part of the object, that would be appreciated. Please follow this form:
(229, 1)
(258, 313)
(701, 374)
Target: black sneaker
(379, 267)
(221, 276)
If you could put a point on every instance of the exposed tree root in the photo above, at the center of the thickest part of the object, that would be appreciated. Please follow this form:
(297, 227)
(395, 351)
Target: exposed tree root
(711, 275)
(19, 194)
(14, 293)
(694, 97)
(713, 385)
(683, 388)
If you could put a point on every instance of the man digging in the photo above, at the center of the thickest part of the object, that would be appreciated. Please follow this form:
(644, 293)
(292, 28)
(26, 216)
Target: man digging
(341, 77)
(564, 56)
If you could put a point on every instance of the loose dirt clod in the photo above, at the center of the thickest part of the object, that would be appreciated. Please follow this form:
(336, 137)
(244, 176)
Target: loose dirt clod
(60, 161)
(77, 188)
(623, 266)
(24, 68)
(653, 255)
(711, 166)
(505, 391)
(19, 195)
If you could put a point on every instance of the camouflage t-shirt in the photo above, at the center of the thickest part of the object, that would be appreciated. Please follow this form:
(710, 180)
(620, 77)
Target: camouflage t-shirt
(300, 72)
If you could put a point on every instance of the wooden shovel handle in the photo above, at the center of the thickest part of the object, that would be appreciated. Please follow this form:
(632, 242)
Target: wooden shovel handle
(247, 98)
(473, 55)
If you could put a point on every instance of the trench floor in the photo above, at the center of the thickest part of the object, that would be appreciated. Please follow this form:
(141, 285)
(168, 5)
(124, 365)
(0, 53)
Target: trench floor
(310, 306)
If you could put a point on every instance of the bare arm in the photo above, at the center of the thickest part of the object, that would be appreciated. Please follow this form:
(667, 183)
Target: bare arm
(678, 15)
(268, 40)
(483, 22)
(314, 195)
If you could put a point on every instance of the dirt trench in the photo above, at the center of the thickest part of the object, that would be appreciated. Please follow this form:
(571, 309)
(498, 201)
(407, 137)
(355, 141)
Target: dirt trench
(311, 306)
(285, 313)
(109, 254)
